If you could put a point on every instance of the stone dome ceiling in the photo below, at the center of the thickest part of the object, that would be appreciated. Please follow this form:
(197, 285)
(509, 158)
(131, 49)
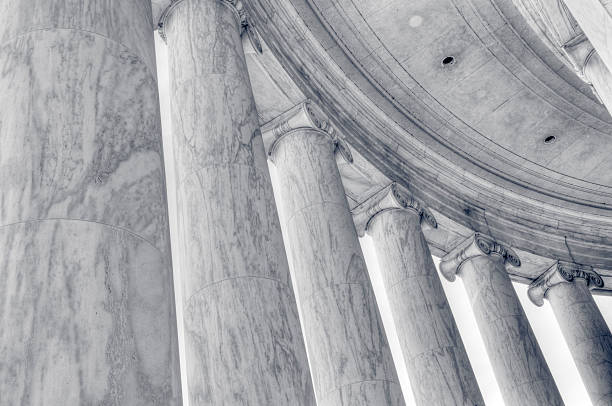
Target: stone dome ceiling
(466, 136)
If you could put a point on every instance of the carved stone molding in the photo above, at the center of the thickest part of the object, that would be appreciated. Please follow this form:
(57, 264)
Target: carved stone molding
(303, 115)
(474, 246)
(562, 272)
(391, 197)
(242, 19)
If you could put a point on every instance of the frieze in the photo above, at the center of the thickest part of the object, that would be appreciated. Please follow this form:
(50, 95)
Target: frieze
(476, 245)
(562, 272)
(392, 197)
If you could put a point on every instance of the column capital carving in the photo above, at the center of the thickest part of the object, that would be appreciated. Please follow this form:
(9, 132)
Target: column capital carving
(557, 27)
(301, 116)
(562, 272)
(579, 50)
(474, 246)
(391, 197)
(240, 13)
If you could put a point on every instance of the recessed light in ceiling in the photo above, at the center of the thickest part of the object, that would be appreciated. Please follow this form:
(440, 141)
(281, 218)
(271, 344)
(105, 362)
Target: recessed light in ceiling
(550, 139)
(449, 60)
(415, 21)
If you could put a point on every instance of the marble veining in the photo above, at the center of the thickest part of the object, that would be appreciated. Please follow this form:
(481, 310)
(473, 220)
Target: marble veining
(349, 355)
(88, 301)
(518, 363)
(87, 315)
(586, 333)
(127, 22)
(243, 340)
(438, 366)
(91, 147)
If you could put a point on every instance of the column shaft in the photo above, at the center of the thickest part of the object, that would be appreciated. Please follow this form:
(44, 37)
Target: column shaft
(439, 370)
(587, 336)
(518, 363)
(596, 72)
(350, 358)
(87, 307)
(243, 341)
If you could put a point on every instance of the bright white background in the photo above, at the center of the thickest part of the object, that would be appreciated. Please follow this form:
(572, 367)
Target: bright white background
(542, 319)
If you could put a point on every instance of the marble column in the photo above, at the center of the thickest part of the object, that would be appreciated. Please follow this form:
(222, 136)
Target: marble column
(567, 287)
(595, 18)
(591, 68)
(243, 341)
(516, 358)
(87, 308)
(349, 354)
(598, 74)
(439, 369)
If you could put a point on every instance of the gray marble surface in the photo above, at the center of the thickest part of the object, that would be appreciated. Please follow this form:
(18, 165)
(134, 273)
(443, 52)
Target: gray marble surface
(104, 18)
(350, 360)
(587, 336)
(438, 367)
(88, 303)
(243, 340)
(516, 358)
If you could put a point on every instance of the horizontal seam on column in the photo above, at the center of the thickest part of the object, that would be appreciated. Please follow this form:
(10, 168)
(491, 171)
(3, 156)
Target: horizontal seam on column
(358, 382)
(504, 317)
(531, 381)
(121, 44)
(311, 206)
(309, 297)
(432, 350)
(203, 288)
(118, 228)
(201, 168)
(408, 279)
(583, 340)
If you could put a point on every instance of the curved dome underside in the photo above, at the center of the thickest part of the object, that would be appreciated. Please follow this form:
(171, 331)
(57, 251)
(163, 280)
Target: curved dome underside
(501, 96)
(466, 137)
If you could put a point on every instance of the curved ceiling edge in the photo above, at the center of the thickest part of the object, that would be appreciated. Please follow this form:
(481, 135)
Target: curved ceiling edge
(421, 115)
(556, 229)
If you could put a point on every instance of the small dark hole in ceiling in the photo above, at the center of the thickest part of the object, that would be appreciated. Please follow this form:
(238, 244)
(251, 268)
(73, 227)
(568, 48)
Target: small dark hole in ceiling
(449, 60)
(550, 139)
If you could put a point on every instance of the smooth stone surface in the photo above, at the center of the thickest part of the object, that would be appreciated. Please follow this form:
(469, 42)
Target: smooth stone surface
(519, 366)
(88, 294)
(587, 336)
(243, 340)
(349, 354)
(438, 366)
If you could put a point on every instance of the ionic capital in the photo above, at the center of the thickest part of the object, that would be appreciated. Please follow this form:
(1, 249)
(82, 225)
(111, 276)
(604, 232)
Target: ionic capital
(579, 51)
(391, 197)
(562, 272)
(240, 13)
(474, 246)
(305, 115)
